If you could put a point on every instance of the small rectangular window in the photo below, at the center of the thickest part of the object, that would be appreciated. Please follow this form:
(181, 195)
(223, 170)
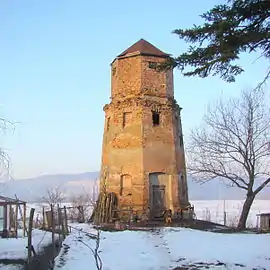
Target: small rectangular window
(108, 123)
(152, 65)
(125, 185)
(127, 118)
(155, 118)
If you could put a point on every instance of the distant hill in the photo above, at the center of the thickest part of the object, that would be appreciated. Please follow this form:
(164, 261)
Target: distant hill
(33, 189)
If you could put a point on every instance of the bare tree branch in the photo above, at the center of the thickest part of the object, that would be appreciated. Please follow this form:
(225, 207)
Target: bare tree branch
(261, 84)
(262, 186)
(4, 157)
(54, 196)
(95, 251)
(233, 144)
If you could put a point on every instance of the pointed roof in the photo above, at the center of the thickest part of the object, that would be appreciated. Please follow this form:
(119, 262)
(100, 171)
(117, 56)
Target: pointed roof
(143, 47)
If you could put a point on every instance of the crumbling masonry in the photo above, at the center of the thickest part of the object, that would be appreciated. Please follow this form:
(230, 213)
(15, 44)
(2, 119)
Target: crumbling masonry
(143, 160)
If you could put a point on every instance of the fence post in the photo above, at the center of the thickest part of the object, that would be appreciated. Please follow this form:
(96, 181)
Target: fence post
(30, 227)
(225, 214)
(16, 221)
(61, 222)
(65, 220)
(43, 218)
(24, 220)
(82, 210)
(53, 232)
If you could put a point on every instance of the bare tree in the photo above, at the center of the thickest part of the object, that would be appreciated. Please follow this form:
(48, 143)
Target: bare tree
(87, 200)
(54, 196)
(81, 206)
(233, 144)
(4, 157)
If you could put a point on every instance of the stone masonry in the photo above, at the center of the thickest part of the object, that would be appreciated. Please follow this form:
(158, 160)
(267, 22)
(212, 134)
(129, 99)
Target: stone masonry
(143, 158)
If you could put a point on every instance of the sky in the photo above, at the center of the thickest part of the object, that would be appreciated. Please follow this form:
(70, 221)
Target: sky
(55, 74)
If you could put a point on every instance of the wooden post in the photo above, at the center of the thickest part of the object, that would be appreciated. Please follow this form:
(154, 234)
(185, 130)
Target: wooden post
(224, 213)
(30, 227)
(23, 215)
(257, 223)
(24, 220)
(83, 220)
(10, 218)
(16, 221)
(43, 218)
(60, 222)
(65, 220)
(5, 225)
(36, 221)
(53, 232)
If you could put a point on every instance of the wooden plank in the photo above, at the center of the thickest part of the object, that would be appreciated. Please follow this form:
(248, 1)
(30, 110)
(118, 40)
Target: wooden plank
(24, 220)
(30, 227)
(5, 229)
(53, 232)
(65, 221)
(16, 221)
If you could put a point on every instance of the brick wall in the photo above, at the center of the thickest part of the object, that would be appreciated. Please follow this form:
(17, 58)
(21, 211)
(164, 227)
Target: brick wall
(132, 146)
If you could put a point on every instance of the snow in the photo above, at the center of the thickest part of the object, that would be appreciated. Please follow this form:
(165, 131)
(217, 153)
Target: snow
(15, 248)
(162, 249)
(10, 267)
(12, 248)
(214, 211)
(165, 248)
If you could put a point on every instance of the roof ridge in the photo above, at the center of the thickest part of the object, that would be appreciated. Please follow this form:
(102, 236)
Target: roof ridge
(145, 48)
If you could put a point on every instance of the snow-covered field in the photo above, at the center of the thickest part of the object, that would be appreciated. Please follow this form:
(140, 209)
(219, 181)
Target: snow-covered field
(15, 249)
(214, 211)
(161, 249)
(165, 249)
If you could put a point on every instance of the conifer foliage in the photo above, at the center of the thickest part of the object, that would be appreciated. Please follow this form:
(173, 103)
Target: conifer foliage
(229, 29)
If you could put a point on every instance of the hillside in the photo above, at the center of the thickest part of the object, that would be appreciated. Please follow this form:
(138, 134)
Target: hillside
(32, 189)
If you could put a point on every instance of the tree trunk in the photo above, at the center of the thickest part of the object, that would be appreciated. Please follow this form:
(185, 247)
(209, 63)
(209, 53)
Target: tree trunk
(245, 211)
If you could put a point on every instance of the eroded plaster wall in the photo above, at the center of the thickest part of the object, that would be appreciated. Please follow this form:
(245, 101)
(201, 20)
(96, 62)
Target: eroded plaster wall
(132, 147)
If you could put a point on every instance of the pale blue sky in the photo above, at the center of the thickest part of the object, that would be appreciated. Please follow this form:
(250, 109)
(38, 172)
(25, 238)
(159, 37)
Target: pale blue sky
(55, 74)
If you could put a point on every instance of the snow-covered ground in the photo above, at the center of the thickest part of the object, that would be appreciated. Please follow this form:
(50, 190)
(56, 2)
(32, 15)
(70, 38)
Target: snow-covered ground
(165, 249)
(15, 249)
(214, 211)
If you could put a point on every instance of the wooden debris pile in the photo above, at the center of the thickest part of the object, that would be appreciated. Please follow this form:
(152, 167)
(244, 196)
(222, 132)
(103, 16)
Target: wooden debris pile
(105, 210)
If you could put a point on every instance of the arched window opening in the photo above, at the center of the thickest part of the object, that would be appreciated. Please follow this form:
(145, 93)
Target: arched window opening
(125, 185)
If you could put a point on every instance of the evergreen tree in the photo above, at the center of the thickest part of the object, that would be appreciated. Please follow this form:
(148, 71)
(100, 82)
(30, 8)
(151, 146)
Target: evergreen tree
(229, 29)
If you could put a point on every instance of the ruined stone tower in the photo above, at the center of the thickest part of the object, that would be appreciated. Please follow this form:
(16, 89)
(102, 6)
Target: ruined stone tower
(143, 159)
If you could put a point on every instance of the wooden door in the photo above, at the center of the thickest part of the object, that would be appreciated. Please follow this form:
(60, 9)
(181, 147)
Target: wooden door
(158, 200)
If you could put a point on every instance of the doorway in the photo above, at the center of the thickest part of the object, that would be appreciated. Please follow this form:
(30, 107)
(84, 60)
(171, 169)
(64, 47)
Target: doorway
(158, 185)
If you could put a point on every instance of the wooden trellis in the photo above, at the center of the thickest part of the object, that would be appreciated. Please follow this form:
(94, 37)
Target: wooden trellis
(11, 209)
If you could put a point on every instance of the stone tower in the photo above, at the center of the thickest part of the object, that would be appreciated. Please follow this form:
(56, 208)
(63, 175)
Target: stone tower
(143, 158)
